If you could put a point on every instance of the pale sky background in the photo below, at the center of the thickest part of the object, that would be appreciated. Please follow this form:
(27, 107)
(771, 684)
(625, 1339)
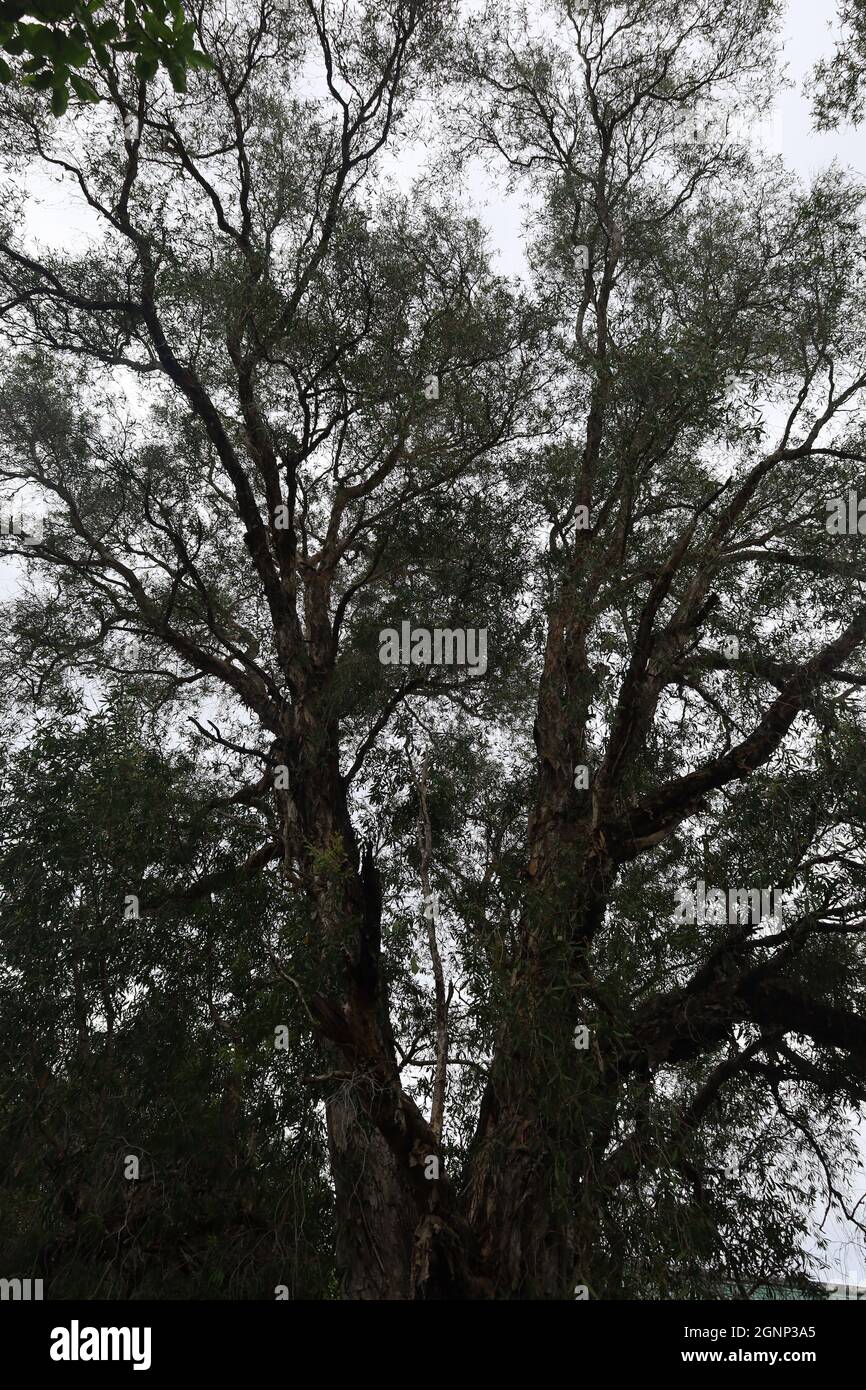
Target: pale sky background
(58, 219)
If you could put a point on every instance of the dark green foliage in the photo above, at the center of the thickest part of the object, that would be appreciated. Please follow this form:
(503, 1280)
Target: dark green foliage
(151, 1038)
(58, 39)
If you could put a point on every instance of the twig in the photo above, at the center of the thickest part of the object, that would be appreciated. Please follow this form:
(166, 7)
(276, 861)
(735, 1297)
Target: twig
(443, 996)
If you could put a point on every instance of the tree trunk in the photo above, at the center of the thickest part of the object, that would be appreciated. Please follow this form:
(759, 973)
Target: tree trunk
(521, 1190)
(545, 1102)
(394, 1237)
(375, 1217)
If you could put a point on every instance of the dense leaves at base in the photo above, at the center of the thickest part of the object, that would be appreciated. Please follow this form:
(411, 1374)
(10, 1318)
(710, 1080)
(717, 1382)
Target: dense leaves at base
(144, 1038)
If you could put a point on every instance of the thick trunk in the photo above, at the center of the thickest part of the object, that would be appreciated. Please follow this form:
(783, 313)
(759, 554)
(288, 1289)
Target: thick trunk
(532, 1158)
(375, 1216)
(522, 1188)
(399, 1235)
(527, 1240)
(532, 1194)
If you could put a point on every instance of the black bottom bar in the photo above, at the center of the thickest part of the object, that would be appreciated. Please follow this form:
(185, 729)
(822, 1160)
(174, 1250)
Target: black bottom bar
(227, 1340)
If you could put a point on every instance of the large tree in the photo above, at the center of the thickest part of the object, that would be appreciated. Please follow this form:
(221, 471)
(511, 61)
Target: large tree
(278, 407)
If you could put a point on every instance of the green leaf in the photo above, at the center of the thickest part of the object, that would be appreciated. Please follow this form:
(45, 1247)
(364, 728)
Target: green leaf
(75, 55)
(42, 41)
(5, 71)
(39, 82)
(54, 11)
(177, 76)
(156, 28)
(146, 67)
(59, 99)
(84, 90)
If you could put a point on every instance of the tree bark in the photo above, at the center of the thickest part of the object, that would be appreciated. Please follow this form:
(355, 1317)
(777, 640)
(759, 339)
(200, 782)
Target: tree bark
(375, 1217)
(400, 1235)
(533, 1150)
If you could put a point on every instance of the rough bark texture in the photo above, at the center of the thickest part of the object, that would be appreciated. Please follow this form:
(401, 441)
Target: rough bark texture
(375, 1218)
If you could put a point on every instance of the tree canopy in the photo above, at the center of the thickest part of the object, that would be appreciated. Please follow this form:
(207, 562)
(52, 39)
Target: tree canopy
(840, 81)
(566, 932)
